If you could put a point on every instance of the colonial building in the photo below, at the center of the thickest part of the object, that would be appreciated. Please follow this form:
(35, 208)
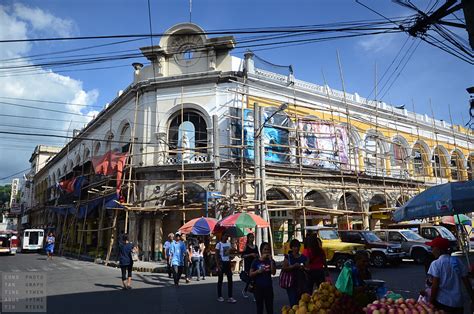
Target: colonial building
(201, 132)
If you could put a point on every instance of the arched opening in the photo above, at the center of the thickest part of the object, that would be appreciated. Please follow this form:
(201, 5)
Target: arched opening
(125, 138)
(374, 155)
(282, 222)
(187, 137)
(78, 160)
(377, 216)
(349, 201)
(440, 162)
(399, 158)
(420, 156)
(318, 200)
(87, 154)
(457, 166)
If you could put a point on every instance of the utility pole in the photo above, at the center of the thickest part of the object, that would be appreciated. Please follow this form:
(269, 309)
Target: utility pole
(256, 151)
(263, 193)
(217, 158)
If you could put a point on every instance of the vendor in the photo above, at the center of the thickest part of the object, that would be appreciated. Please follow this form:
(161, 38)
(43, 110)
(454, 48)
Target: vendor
(448, 275)
(360, 272)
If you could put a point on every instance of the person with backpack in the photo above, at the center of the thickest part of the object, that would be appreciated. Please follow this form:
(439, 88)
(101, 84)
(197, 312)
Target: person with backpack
(222, 255)
(126, 261)
(448, 275)
(249, 254)
(177, 254)
(261, 271)
(293, 277)
(195, 255)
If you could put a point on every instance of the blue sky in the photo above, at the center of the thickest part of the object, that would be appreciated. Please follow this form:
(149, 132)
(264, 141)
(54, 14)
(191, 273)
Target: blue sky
(430, 73)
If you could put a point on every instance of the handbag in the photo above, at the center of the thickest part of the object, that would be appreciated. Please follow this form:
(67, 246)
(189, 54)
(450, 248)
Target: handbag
(344, 281)
(287, 278)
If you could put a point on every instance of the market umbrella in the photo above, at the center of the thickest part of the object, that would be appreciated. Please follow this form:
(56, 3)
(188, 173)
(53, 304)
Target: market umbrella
(199, 226)
(457, 220)
(234, 232)
(243, 220)
(441, 200)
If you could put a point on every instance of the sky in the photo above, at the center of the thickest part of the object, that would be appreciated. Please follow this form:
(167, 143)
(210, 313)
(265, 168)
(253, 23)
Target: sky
(429, 75)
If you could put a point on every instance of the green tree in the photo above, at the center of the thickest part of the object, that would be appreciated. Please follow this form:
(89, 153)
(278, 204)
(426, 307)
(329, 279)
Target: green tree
(5, 192)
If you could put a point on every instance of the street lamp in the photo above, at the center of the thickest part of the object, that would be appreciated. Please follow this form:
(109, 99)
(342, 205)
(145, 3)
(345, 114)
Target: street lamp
(282, 107)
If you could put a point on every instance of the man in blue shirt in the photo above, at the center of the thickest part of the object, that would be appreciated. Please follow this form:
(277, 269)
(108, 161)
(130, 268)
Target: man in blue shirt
(166, 248)
(177, 252)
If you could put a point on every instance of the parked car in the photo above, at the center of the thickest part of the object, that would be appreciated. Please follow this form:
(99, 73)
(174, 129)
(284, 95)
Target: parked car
(381, 252)
(413, 245)
(429, 231)
(337, 252)
(9, 242)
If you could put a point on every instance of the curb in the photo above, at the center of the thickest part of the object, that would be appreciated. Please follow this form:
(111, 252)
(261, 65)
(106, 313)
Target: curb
(145, 269)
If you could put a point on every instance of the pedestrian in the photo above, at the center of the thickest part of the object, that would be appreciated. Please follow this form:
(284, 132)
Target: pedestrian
(126, 262)
(261, 271)
(316, 264)
(195, 255)
(50, 239)
(222, 256)
(294, 263)
(187, 258)
(177, 255)
(166, 248)
(448, 275)
(249, 254)
(202, 251)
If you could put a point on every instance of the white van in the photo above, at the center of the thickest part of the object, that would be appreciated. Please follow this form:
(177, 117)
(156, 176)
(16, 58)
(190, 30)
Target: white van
(32, 239)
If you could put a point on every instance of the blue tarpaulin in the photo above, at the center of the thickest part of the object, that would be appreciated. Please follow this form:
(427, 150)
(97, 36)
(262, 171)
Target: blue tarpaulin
(88, 207)
(441, 200)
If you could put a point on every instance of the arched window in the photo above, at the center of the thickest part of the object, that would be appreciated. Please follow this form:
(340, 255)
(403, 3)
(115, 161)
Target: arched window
(440, 163)
(125, 137)
(374, 155)
(187, 137)
(78, 160)
(108, 141)
(398, 158)
(457, 166)
(87, 154)
(420, 158)
(470, 166)
(97, 149)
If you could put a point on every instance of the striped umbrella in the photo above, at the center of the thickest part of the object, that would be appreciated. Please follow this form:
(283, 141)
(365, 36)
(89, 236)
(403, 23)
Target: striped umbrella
(243, 220)
(199, 226)
(457, 219)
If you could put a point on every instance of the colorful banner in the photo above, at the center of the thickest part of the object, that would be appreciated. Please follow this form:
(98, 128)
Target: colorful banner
(324, 145)
(275, 139)
(109, 164)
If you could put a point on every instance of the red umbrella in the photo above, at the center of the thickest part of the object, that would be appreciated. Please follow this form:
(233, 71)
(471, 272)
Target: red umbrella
(243, 220)
(199, 226)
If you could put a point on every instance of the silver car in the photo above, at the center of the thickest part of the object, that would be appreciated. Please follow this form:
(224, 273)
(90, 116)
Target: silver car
(412, 244)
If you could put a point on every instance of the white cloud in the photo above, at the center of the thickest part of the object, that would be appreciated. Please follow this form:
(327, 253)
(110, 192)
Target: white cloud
(20, 21)
(376, 43)
(43, 22)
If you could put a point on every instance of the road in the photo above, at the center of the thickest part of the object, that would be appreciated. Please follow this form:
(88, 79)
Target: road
(83, 287)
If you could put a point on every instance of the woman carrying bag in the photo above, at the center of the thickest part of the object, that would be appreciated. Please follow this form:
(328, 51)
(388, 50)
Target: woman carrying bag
(292, 276)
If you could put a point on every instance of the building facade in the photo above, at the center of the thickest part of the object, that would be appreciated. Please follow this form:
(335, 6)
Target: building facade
(199, 132)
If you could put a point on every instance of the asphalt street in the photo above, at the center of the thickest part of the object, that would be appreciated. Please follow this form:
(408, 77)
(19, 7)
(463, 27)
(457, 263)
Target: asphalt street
(83, 287)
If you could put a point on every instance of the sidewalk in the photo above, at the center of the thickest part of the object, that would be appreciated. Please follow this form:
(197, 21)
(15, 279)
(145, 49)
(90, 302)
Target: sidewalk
(160, 267)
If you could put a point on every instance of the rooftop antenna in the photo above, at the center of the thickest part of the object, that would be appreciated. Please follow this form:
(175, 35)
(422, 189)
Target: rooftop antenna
(190, 10)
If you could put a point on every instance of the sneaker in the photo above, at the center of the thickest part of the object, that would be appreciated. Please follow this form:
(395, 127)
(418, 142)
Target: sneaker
(244, 294)
(231, 300)
(203, 278)
(220, 299)
(129, 287)
(187, 280)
